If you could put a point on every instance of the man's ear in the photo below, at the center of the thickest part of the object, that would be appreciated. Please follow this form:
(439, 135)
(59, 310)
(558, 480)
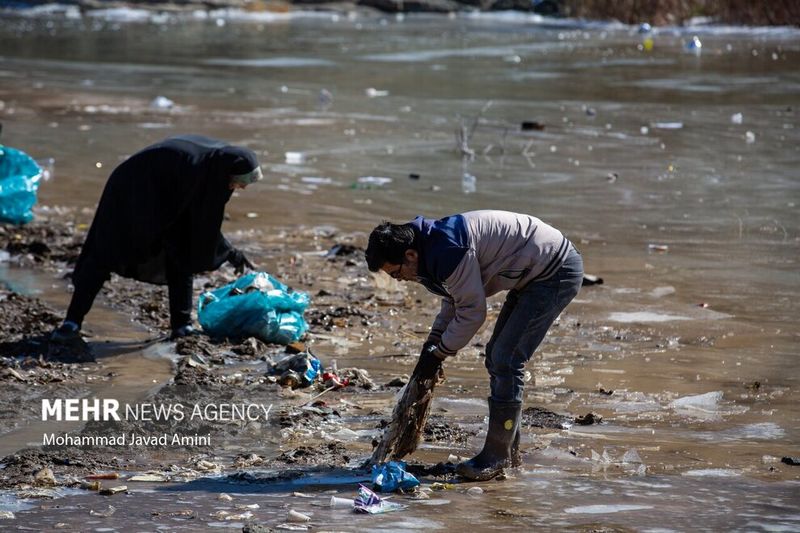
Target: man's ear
(411, 255)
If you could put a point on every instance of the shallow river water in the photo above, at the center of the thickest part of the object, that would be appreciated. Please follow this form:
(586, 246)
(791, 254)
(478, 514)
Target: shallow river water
(675, 171)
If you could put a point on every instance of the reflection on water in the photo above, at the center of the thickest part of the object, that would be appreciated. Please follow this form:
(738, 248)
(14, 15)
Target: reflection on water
(667, 169)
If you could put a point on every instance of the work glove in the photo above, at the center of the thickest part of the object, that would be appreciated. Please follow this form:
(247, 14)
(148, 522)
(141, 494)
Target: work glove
(239, 261)
(429, 363)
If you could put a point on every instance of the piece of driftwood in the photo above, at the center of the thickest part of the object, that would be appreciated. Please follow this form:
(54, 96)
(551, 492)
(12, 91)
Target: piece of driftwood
(402, 435)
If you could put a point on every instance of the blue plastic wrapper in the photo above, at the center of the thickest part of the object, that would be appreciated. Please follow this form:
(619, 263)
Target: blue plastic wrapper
(391, 476)
(19, 181)
(255, 305)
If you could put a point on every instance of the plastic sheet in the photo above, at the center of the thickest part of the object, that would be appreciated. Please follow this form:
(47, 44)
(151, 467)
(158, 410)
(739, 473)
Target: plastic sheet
(19, 181)
(255, 305)
(389, 477)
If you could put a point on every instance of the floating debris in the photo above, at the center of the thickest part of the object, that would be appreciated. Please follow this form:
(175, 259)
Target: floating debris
(111, 491)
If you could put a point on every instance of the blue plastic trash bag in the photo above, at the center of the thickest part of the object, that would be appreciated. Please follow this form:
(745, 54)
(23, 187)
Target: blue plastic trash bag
(19, 181)
(391, 476)
(255, 305)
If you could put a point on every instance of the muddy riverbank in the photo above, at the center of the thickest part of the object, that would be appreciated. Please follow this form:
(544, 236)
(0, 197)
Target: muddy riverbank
(363, 328)
(670, 167)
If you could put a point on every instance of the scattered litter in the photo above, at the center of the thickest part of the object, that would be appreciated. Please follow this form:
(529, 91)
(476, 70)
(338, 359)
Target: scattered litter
(391, 476)
(162, 102)
(793, 461)
(342, 503)
(225, 497)
(709, 400)
(378, 181)
(226, 515)
(667, 125)
(110, 491)
(694, 46)
(90, 485)
(294, 516)
(293, 527)
(315, 180)
(149, 478)
(7, 515)
(296, 370)
(301, 495)
(207, 466)
(442, 486)
(44, 477)
(295, 158)
(374, 93)
(750, 137)
(737, 118)
(105, 514)
(474, 491)
(531, 125)
(413, 176)
(105, 475)
(369, 502)
(658, 247)
(632, 457)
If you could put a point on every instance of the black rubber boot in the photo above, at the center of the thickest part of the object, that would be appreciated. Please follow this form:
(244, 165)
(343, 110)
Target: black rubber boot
(497, 450)
(516, 457)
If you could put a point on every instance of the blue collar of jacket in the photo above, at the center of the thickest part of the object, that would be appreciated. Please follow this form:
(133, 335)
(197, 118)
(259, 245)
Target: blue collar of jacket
(441, 245)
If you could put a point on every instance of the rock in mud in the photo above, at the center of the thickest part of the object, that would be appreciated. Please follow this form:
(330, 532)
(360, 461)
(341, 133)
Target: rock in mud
(26, 324)
(542, 418)
(437, 430)
(22, 467)
(588, 419)
(329, 454)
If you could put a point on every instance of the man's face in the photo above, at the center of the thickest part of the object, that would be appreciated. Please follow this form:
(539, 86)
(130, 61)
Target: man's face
(407, 271)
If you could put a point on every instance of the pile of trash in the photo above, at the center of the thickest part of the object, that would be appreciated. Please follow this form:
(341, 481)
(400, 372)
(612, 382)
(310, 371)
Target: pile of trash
(255, 305)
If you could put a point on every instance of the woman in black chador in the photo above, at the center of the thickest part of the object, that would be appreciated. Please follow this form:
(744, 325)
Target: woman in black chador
(159, 221)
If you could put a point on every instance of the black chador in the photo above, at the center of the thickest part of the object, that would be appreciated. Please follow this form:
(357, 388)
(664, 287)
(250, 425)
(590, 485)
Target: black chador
(159, 221)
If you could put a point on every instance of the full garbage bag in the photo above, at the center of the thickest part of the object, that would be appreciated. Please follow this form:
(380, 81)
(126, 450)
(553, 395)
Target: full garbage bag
(19, 181)
(255, 305)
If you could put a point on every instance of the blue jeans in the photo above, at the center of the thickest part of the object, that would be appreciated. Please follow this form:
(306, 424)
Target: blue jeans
(526, 316)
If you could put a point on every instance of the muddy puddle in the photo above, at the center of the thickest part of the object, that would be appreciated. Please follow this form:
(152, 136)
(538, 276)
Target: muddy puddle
(664, 399)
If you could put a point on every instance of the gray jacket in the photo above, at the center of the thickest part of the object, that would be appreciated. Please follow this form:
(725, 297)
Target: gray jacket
(469, 257)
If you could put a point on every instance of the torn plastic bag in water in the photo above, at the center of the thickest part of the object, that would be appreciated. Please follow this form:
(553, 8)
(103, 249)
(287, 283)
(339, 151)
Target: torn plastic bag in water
(255, 305)
(369, 502)
(19, 181)
(389, 477)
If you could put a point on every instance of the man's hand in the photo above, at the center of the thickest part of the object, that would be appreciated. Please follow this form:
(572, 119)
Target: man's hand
(429, 362)
(239, 261)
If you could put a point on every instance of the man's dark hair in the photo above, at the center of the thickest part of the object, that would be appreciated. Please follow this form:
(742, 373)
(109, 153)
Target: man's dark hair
(388, 244)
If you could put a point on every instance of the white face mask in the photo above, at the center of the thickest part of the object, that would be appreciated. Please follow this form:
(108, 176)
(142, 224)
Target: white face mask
(251, 177)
